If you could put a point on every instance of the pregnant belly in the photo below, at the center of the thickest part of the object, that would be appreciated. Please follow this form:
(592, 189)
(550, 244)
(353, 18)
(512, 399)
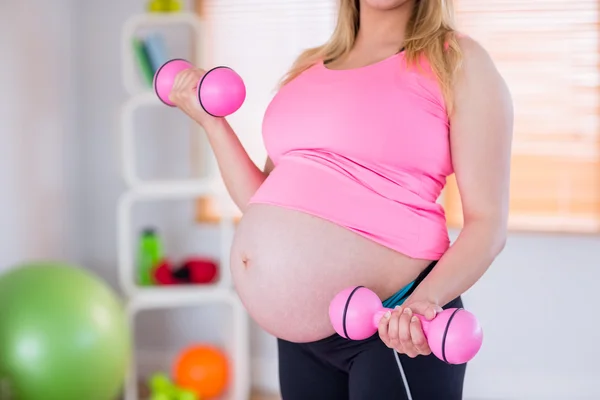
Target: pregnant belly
(288, 265)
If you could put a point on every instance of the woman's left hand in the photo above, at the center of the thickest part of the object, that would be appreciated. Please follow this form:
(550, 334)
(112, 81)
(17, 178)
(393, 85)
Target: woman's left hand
(401, 330)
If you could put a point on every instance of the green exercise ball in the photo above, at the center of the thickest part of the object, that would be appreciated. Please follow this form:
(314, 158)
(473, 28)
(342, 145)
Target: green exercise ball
(63, 335)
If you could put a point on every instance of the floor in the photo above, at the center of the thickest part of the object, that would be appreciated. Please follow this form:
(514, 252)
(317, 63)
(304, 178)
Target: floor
(258, 396)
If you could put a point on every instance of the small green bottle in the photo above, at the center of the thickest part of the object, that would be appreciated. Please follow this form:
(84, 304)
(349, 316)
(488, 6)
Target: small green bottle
(150, 254)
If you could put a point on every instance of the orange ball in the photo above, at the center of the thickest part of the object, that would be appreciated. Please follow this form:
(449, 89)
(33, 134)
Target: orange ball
(202, 369)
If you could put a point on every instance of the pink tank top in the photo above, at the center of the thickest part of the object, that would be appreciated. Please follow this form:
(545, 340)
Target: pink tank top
(365, 148)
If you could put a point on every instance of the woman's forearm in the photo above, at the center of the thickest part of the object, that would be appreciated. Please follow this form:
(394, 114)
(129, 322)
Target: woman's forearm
(463, 264)
(240, 174)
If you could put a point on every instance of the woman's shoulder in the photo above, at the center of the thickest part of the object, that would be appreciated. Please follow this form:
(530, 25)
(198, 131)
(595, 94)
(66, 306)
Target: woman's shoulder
(473, 53)
(478, 70)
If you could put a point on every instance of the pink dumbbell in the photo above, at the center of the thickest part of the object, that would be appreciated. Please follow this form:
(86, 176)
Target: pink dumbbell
(454, 335)
(221, 90)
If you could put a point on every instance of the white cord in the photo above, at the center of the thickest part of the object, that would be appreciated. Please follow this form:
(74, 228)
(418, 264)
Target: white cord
(403, 375)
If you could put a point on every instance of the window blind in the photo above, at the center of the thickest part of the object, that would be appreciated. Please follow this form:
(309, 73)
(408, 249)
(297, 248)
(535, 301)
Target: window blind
(548, 52)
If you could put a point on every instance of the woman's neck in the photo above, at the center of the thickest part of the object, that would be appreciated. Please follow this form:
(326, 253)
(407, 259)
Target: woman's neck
(383, 30)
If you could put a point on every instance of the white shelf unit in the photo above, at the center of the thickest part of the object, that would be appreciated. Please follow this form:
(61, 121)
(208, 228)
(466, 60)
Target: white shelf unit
(139, 298)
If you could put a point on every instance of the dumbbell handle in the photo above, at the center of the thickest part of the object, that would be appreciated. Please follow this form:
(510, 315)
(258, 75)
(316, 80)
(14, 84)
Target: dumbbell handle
(379, 315)
(425, 323)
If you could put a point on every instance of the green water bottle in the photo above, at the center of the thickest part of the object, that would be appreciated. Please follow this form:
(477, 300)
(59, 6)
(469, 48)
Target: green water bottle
(150, 254)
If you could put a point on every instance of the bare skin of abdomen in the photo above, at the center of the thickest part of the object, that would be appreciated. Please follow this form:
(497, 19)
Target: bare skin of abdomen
(288, 265)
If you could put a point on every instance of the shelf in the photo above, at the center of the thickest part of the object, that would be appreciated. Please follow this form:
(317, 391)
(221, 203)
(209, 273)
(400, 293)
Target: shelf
(171, 297)
(126, 240)
(182, 313)
(129, 157)
(161, 19)
(173, 189)
(178, 321)
(150, 20)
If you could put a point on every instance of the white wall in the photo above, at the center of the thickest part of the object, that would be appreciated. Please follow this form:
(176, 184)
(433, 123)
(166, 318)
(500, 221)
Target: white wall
(37, 133)
(536, 302)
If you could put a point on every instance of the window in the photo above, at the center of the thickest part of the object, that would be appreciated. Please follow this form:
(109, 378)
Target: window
(260, 39)
(548, 52)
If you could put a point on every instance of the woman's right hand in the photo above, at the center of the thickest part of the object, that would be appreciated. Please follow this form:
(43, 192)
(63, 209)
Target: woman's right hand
(184, 95)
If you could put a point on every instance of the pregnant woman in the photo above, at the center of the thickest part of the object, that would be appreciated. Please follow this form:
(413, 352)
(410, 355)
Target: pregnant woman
(361, 137)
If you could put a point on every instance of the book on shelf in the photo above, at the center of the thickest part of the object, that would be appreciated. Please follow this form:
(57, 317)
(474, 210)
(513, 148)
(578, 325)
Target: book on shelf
(143, 61)
(150, 53)
(156, 48)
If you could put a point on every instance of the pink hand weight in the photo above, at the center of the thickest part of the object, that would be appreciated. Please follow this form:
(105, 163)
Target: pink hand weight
(221, 91)
(454, 335)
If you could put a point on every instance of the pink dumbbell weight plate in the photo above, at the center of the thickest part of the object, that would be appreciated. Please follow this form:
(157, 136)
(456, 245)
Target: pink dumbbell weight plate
(165, 78)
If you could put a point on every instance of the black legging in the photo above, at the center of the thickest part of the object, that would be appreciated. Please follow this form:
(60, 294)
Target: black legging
(339, 369)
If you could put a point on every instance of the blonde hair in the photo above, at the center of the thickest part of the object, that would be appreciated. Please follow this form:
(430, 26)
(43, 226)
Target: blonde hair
(430, 33)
